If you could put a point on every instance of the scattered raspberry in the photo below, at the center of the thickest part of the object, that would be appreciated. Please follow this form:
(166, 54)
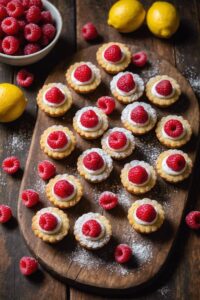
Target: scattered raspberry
(22, 24)
(123, 253)
(193, 220)
(113, 53)
(32, 32)
(138, 175)
(139, 59)
(89, 31)
(107, 104)
(28, 265)
(48, 221)
(5, 213)
(54, 95)
(146, 213)
(108, 200)
(46, 169)
(176, 162)
(49, 31)
(15, 9)
(46, 17)
(24, 78)
(30, 197)
(33, 14)
(91, 228)
(3, 12)
(117, 140)
(173, 128)
(31, 48)
(57, 139)
(11, 165)
(63, 188)
(93, 161)
(164, 88)
(83, 73)
(126, 83)
(10, 26)
(36, 3)
(89, 119)
(139, 115)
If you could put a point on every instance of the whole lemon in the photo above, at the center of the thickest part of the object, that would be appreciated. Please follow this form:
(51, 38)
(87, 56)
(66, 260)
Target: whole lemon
(12, 102)
(163, 19)
(126, 15)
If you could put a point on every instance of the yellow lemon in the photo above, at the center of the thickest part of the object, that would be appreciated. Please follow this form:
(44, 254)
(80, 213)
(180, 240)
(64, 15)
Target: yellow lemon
(163, 19)
(12, 102)
(126, 15)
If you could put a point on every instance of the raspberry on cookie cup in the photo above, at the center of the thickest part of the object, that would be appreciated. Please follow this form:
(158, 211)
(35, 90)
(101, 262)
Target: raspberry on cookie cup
(92, 231)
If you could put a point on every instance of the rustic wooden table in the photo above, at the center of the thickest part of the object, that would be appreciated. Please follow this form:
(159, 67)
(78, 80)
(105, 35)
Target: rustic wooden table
(180, 280)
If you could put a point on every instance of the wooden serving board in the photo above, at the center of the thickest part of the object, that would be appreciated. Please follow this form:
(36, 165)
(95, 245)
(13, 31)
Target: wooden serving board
(97, 271)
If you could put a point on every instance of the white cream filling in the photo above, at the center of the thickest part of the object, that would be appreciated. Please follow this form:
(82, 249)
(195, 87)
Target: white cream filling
(59, 222)
(95, 73)
(60, 86)
(67, 198)
(141, 222)
(85, 109)
(60, 149)
(155, 93)
(168, 170)
(110, 62)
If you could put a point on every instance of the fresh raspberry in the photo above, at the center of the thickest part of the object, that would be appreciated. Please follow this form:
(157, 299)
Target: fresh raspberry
(107, 104)
(176, 162)
(1, 49)
(49, 31)
(10, 26)
(137, 175)
(25, 4)
(5, 213)
(15, 9)
(30, 197)
(46, 169)
(4, 2)
(164, 87)
(36, 3)
(63, 188)
(93, 161)
(44, 41)
(117, 140)
(108, 200)
(193, 220)
(2, 34)
(32, 32)
(57, 139)
(3, 12)
(31, 48)
(33, 14)
(46, 17)
(173, 128)
(22, 24)
(54, 95)
(91, 228)
(139, 115)
(139, 59)
(24, 78)
(83, 73)
(123, 253)
(146, 213)
(48, 221)
(28, 265)
(89, 31)
(11, 165)
(113, 53)
(89, 119)
(126, 83)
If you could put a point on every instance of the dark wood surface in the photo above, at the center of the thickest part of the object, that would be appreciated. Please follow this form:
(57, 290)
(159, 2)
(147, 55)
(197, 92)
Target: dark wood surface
(181, 278)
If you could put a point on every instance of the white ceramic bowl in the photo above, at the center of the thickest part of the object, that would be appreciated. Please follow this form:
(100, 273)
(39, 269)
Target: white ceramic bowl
(23, 60)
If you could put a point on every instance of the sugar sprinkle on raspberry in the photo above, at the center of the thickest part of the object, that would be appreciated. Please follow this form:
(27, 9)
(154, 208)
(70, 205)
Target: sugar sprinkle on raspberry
(108, 200)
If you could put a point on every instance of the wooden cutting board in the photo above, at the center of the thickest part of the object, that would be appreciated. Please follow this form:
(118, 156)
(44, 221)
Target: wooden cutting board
(97, 271)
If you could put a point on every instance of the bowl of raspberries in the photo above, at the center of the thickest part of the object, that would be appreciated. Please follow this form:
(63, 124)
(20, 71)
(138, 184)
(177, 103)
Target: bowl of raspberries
(29, 29)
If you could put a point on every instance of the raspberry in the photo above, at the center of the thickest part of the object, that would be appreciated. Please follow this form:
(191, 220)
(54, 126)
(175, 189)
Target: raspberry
(46, 17)
(25, 4)
(5, 213)
(49, 31)
(139, 115)
(164, 88)
(32, 32)
(2, 34)
(30, 197)
(36, 3)
(193, 220)
(117, 140)
(139, 59)
(91, 228)
(108, 200)
(146, 213)
(107, 104)
(24, 78)
(54, 95)
(11, 165)
(137, 175)
(33, 14)
(126, 83)
(83, 73)
(113, 53)
(173, 128)
(31, 48)
(10, 26)
(176, 162)
(46, 169)
(122, 253)
(89, 31)
(3, 12)
(93, 161)
(28, 265)
(15, 9)
(89, 119)
(22, 24)
(44, 41)
(48, 221)
(57, 139)
(4, 2)
(1, 49)
(63, 188)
